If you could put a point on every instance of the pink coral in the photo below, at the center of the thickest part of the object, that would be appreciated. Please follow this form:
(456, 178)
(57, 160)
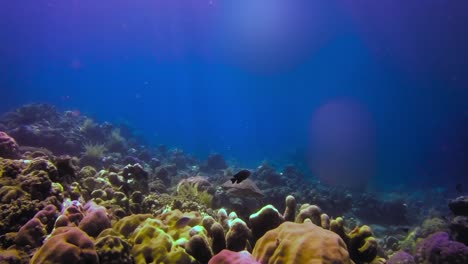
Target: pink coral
(35, 230)
(231, 257)
(72, 214)
(95, 219)
(31, 234)
(8, 147)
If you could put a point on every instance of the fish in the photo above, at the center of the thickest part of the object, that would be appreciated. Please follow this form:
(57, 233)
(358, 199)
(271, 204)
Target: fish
(240, 176)
(182, 222)
(459, 188)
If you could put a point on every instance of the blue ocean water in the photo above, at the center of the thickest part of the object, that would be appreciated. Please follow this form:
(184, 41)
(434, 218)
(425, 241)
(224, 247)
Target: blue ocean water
(376, 90)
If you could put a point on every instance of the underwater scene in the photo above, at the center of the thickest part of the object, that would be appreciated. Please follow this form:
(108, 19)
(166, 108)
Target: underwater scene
(235, 132)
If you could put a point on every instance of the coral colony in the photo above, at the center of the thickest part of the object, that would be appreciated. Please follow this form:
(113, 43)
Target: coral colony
(76, 191)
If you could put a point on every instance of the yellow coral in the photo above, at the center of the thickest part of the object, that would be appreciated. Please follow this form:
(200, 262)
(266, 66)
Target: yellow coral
(87, 125)
(115, 141)
(94, 151)
(191, 191)
(362, 245)
(161, 239)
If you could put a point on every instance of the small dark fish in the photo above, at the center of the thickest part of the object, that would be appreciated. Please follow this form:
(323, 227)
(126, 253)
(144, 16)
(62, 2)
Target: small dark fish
(459, 188)
(240, 176)
(182, 222)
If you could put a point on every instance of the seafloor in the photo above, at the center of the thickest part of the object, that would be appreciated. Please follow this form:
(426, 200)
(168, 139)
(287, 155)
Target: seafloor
(76, 191)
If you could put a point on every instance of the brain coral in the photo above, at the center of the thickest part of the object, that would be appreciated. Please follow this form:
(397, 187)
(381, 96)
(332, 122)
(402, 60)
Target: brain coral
(300, 243)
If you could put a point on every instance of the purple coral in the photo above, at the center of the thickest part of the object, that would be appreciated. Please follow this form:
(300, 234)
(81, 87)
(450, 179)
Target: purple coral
(438, 248)
(401, 257)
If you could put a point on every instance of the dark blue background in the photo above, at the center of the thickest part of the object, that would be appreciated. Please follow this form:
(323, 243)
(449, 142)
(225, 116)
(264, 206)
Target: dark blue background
(245, 79)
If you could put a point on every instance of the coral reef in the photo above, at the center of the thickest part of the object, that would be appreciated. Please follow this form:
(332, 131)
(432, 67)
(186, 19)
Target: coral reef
(41, 125)
(120, 201)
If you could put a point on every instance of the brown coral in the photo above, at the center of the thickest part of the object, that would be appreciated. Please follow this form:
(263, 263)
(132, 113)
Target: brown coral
(300, 243)
(264, 220)
(66, 245)
(113, 249)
